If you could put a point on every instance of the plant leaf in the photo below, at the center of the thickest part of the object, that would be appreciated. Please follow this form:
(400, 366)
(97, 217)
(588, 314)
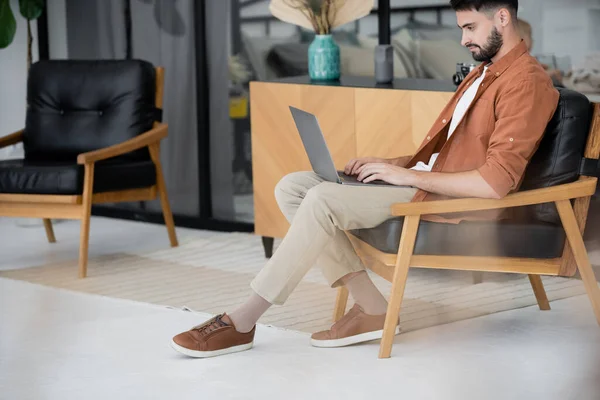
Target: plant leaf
(8, 24)
(291, 12)
(31, 9)
(351, 10)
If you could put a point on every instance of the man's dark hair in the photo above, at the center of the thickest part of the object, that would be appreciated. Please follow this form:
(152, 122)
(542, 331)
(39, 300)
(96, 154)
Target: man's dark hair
(485, 5)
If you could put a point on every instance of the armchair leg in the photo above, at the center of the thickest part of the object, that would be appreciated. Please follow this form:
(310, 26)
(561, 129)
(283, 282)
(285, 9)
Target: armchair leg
(575, 239)
(162, 191)
(49, 230)
(84, 237)
(540, 292)
(405, 251)
(340, 303)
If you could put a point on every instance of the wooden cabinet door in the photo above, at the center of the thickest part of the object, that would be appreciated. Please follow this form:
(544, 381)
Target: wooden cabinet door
(277, 149)
(334, 108)
(426, 108)
(393, 123)
(383, 123)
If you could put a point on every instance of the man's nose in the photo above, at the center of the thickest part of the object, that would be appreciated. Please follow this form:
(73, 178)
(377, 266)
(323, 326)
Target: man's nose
(465, 40)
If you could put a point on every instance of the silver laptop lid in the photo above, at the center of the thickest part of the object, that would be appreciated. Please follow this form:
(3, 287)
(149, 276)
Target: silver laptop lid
(315, 145)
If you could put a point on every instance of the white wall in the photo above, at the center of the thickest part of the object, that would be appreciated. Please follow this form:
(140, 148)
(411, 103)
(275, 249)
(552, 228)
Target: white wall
(570, 28)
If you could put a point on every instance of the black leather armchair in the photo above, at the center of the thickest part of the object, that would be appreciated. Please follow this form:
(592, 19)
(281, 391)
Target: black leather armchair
(543, 235)
(92, 135)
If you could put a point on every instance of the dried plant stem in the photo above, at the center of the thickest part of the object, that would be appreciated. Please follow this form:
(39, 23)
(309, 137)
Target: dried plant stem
(321, 16)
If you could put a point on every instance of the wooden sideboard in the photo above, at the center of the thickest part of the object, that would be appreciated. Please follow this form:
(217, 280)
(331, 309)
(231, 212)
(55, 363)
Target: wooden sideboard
(358, 119)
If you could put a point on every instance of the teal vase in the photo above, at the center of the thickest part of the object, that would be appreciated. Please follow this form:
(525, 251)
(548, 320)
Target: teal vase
(324, 59)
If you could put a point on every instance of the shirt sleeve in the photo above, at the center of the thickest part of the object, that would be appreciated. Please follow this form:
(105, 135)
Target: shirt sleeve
(522, 114)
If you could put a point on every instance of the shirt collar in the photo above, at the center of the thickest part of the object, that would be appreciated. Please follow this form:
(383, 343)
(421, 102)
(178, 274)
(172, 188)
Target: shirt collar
(502, 65)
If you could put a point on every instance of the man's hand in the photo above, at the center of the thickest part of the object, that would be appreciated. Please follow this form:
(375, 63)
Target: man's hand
(386, 172)
(354, 164)
(454, 184)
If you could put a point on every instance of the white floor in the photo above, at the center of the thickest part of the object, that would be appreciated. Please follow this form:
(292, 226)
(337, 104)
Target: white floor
(61, 345)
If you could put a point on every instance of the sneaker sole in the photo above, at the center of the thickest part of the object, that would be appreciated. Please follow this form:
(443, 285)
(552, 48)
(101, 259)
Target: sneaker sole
(214, 353)
(350, 340)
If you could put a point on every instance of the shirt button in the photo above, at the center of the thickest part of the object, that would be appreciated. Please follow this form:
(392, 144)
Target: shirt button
(497, 73)
(511, 139)
(428, 137)
(443, 121)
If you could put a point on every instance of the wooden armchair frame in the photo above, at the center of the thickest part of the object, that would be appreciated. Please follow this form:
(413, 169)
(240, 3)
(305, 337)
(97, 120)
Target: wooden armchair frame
(80, 206)
(394, 267)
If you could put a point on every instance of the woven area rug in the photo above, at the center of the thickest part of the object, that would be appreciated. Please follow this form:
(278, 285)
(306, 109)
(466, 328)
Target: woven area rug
(213, 274)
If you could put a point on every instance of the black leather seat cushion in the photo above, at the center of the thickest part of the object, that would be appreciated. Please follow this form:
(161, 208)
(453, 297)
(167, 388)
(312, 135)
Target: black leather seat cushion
(44, 177)
(76, 106)
(532, 239)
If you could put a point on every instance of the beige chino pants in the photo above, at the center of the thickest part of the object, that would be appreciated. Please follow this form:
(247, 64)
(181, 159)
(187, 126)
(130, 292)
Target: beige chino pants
(319, 212)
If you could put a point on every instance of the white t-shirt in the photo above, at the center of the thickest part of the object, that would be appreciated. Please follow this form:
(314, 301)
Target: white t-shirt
(459, 113)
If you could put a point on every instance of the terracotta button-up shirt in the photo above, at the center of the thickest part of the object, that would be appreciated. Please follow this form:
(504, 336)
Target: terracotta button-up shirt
(500, 131)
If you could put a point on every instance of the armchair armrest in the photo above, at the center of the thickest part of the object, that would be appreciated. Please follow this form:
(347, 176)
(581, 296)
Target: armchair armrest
(145, 139)
(581, 188)
(11, 139)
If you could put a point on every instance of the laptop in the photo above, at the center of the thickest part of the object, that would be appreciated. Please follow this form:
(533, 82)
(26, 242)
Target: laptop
(318, 152)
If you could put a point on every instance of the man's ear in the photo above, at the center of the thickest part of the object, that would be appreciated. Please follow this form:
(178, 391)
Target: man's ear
(504, 17)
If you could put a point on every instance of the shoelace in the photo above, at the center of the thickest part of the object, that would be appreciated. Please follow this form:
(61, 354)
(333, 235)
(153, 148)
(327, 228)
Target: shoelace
(210, 326)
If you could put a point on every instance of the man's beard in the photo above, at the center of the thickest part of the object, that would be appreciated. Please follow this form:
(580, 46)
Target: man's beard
(491, 48)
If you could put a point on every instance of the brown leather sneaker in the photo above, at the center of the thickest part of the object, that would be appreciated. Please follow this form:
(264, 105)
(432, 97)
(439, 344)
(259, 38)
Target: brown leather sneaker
(215, 337)
(354, 327)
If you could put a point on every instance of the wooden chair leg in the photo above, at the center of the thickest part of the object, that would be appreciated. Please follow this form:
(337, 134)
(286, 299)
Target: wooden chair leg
(575, 239)
(405, 251)
(162, 191)
(84, 235)
(540, 292)
(340, 303)
(477, 277)
(49, 230)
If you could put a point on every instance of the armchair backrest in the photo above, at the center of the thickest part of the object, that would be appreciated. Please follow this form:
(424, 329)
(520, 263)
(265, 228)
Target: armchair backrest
(76, 106)
(561, 150)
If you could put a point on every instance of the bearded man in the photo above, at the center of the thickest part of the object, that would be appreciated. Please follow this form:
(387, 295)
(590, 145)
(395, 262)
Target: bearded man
(478, 147)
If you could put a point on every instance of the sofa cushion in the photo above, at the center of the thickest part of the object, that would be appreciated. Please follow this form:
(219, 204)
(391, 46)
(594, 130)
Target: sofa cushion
(42, 177)
(532, 239)
(78, 106)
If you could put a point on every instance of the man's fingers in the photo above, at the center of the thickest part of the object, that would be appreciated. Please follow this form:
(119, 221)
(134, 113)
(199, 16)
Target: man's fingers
(357, 167)
(362, 172)
(366, 170)
(372, 169)
(372, 178)
(360, 168)
(350, 166)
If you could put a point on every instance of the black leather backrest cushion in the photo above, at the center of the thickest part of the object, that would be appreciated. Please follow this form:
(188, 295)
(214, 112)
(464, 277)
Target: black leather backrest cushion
(558, 158)
(75, 106)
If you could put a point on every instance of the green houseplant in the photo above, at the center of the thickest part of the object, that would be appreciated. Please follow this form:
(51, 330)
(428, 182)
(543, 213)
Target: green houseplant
(30, 10)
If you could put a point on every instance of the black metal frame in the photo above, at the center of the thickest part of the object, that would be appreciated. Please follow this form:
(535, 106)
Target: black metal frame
(42, 28)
